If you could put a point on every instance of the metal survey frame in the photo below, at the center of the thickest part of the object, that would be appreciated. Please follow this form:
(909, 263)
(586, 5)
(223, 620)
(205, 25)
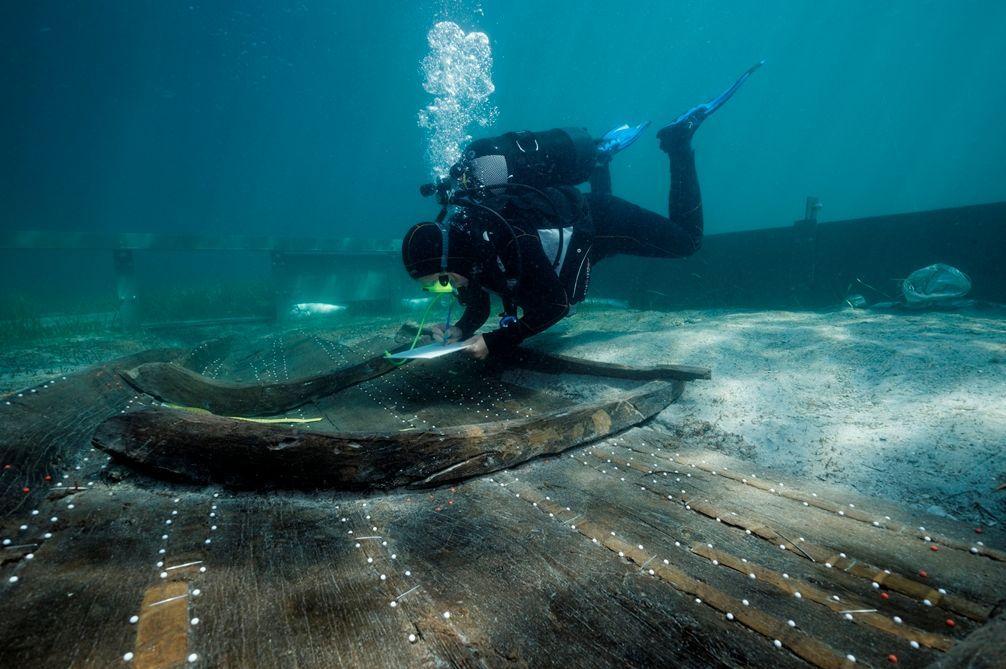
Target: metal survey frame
(290, 257)
(807, 264)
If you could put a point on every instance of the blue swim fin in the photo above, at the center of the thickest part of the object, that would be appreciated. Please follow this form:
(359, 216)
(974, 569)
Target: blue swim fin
(686, 124)
(617, 139)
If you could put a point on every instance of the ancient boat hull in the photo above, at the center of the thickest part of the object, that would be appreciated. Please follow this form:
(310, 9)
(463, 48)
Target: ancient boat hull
(633, 549)
(199, 448)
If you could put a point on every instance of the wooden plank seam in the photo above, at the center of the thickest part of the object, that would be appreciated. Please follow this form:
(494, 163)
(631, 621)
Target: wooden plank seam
(809, 648)
(374, 547)
(896, 582)
(851, 513)
(162, 633)
(810, 592)
(792, 586)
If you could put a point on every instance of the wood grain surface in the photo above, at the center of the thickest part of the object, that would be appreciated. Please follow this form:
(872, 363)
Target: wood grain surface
(636, 549)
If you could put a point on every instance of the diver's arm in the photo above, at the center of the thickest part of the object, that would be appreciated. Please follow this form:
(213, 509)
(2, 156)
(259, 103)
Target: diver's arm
(540, 296)
(539, 315)
(477, 306)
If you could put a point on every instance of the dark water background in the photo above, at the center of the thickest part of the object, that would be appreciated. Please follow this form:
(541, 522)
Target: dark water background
(299, 118)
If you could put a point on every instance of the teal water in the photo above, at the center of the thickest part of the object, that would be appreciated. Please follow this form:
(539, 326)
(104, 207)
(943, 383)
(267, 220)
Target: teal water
(301, 118)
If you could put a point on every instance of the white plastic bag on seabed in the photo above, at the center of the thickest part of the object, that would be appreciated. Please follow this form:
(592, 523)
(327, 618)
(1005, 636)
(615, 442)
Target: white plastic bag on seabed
(935, 285)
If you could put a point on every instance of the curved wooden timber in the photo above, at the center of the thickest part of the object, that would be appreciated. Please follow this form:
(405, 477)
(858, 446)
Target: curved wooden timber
(171, 382)
(176, 384)
(200, 448)
(554, 363)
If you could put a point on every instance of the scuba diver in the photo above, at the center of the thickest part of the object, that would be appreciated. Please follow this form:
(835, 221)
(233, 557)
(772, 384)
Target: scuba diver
(513, 223)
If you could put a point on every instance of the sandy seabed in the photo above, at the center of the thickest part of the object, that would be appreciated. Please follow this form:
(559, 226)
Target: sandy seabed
(906, 406)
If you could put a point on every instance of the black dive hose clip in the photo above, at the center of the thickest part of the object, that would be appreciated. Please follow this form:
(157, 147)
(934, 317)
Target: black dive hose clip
(441, 188)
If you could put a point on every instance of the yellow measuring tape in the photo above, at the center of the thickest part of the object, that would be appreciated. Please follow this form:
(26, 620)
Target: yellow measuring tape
(267, 421)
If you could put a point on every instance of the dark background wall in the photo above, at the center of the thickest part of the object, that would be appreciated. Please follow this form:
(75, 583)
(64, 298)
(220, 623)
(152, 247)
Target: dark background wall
(817, 265)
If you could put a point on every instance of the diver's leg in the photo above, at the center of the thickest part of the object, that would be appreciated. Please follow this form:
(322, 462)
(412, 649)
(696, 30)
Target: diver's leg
(623, 228)
(684, 201)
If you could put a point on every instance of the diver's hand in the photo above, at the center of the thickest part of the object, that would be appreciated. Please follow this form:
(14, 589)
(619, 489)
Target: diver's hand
(478, 348)
(452, 335)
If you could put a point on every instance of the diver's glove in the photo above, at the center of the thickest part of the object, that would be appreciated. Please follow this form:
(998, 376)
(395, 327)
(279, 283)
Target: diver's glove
(617, 139)
(679, 132)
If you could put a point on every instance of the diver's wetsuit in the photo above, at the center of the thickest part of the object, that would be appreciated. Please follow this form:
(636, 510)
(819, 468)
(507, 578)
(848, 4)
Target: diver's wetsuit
(604, 226)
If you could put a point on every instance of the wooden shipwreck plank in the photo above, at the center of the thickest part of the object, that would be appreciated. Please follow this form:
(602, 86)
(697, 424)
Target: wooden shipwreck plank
(162, 632)
(654, 533)
(705, 496)
(786, 566)
(44, 428)
(559, 575)
(203, 448)
(563, 364)
(285, 586)
(72, 602)
(983, 649)
(173, 383)
(556, 363)
(630, 550)
(524, 589)
(882, 514)
(900, 561)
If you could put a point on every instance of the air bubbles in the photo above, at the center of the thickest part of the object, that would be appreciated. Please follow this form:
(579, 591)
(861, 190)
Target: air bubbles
(458, 73)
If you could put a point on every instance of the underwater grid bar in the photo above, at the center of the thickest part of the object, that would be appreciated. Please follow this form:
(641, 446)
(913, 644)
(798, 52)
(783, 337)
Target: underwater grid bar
(369, 269)
(138, 241)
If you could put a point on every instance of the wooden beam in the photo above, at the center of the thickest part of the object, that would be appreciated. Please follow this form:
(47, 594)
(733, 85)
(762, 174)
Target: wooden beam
(200, 448)
(554, 363)
(170, 382)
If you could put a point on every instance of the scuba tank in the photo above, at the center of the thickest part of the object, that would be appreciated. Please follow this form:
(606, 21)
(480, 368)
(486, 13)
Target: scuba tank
(519, 167)
(558, 157)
